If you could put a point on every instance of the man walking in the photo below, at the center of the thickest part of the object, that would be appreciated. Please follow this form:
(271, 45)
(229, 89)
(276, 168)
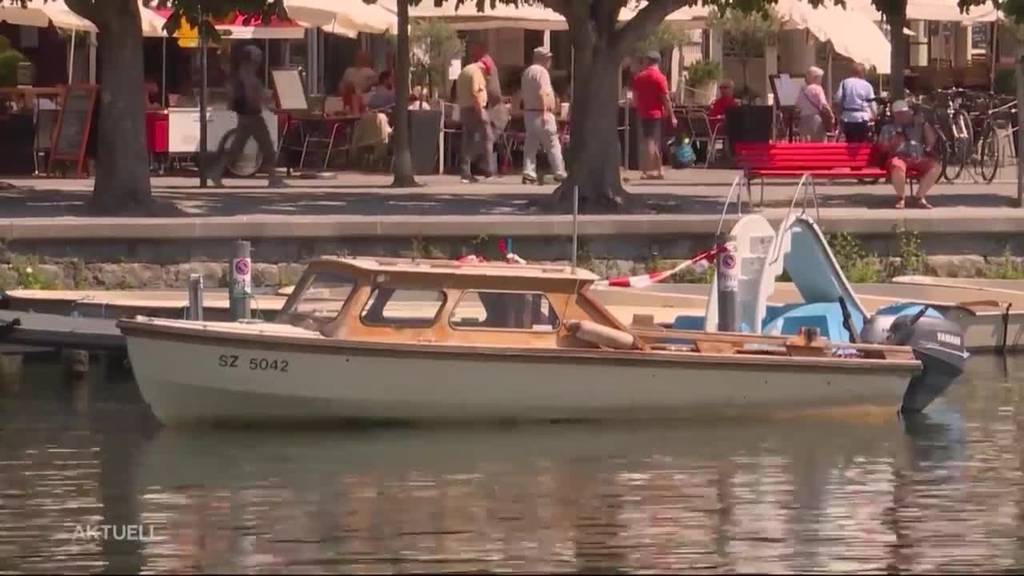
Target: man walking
(650, 95)
(477, 133)
(247, 103)
(539, 118)
(854, 99)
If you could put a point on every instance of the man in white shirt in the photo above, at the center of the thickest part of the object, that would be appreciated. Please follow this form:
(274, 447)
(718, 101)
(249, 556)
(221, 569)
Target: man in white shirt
(853, 100)
(539, 118)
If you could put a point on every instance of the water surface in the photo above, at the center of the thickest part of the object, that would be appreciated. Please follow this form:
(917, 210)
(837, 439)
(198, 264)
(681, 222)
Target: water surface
(855, 490)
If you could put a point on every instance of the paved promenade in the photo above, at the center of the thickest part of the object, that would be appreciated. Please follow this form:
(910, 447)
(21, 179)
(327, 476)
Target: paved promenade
(352, 204)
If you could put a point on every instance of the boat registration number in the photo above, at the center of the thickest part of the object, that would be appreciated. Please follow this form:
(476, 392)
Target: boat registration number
(256, 364)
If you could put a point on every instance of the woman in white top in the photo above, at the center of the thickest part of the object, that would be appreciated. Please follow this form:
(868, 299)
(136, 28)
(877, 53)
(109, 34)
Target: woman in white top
(812, 103)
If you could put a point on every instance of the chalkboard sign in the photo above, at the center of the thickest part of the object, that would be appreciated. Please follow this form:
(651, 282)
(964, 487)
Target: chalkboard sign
(73, 126)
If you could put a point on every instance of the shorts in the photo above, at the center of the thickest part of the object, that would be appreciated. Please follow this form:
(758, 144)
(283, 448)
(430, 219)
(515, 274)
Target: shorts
(920, 166)
(855, 131)
(650, 129)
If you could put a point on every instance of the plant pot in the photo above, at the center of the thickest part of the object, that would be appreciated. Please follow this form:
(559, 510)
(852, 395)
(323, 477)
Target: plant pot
(702, 95)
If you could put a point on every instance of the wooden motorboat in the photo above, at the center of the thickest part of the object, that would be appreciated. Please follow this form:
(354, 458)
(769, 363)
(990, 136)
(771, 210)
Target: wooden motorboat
(438, 340)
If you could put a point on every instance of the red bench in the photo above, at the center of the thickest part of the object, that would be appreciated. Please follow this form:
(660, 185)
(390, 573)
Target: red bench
(820, 160)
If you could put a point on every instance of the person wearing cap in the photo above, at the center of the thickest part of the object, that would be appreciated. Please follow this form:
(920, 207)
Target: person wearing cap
(247, 103)
(653, 106)
(855, 99)
(539, 118)
(477, 133)
(812, 103)
(910, 143)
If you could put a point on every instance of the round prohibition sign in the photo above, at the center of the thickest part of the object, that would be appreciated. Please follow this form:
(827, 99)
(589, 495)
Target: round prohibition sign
(242, 267)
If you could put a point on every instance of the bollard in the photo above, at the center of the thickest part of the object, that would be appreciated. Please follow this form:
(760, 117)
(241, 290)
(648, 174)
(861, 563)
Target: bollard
(10, 373)
(241, 281)
(76, 362)
(728, 270)
(195, 297)
(76, 370)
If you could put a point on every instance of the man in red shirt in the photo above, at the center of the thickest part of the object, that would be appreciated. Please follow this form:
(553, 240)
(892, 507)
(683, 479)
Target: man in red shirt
(725, 101)
(650, 96)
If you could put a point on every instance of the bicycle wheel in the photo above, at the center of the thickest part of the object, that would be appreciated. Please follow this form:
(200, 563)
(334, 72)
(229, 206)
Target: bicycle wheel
(962, 126)
(249, 161)
(954, 158)
(988, 163)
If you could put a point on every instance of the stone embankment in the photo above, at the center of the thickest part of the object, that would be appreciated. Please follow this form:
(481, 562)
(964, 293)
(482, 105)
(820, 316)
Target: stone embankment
(74, 274)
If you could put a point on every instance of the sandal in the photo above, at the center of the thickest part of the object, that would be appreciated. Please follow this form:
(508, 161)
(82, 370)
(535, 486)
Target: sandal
(923, 204)
(900, 204)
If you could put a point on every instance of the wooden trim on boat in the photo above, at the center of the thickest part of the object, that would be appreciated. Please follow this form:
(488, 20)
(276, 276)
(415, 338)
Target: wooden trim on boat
(161, 330)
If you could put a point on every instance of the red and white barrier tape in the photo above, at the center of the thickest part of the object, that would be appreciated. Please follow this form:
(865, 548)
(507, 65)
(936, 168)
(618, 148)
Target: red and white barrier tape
(701, 261)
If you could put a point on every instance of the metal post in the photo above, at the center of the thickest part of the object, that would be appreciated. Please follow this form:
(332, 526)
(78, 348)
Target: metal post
(195, 297)
(163, 73)
(575, 224)
(202, 106)
(241, 281)
(728, 286)
(71, 58)
(1020, 133)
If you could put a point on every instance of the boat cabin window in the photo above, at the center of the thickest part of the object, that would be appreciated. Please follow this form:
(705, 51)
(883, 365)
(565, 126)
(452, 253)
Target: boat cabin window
(504, 311)
(403, 308)
(318, 299)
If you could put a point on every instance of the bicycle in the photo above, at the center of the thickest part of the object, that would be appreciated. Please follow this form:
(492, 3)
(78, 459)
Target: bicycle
(997, 119)
(960, 126)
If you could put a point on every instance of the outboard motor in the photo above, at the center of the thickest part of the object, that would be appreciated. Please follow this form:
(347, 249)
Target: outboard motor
(938, 343)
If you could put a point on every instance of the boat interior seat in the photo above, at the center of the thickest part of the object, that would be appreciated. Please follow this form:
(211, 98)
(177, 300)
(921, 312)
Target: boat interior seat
(827, 317)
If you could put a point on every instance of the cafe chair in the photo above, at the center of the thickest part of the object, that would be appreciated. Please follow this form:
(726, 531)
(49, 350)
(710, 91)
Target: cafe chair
(702, 133)
(327, 139)
(451, 132)
(46, 122)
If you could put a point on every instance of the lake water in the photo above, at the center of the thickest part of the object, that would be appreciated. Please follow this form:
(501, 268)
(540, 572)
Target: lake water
(857, 490)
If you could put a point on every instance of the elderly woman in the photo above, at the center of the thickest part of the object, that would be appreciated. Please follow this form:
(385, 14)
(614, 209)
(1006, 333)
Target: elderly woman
(816, 117)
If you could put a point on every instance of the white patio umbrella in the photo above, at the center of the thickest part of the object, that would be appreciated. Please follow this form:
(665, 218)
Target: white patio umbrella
(342, 17)
(851, 32)
(41, 14)
(933, 10)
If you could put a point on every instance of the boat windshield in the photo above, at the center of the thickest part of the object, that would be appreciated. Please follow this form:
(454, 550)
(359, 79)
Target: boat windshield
(317, 300)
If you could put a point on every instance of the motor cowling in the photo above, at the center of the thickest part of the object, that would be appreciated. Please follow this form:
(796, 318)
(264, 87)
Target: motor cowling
(937, 342)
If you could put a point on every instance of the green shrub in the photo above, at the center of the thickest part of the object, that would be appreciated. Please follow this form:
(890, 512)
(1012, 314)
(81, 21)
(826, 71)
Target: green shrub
(9, 60)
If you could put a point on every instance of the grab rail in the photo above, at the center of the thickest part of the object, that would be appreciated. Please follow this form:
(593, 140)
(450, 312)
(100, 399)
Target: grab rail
(728, 199)
(806, 183)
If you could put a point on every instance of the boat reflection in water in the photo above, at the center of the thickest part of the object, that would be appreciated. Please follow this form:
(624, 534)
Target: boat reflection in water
(800, 492)
(850, 489)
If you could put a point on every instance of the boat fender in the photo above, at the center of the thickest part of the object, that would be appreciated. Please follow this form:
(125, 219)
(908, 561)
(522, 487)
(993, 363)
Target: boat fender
(595, 333)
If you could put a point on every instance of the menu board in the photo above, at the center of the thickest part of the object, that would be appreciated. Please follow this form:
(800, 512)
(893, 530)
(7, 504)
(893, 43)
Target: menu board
(291, 94)
(73, 126)
(787, 89)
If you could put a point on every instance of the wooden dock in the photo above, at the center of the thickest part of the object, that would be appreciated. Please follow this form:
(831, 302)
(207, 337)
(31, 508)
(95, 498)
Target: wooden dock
(114, 304)
(56, 331)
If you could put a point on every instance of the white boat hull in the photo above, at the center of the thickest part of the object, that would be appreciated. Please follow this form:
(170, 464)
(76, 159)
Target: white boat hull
(200, 381)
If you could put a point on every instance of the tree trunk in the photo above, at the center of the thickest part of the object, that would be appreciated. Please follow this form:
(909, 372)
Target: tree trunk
(122, 162)
(594, 151)
(897, 22)
(402, 166)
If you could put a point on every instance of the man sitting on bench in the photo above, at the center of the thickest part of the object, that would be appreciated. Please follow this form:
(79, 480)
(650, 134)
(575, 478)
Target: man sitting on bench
(910, 143)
